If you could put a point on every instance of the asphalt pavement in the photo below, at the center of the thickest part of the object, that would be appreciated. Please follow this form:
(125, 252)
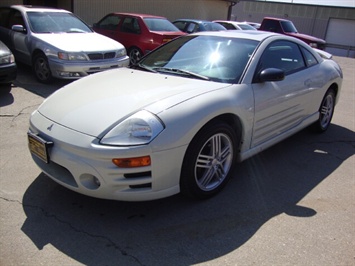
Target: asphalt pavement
(293, 204)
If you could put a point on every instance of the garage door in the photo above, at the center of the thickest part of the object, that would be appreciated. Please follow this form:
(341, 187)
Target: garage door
(340, 37)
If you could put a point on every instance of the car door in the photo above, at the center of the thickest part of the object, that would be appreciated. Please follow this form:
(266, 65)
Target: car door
(19, 39)
(130, 32)
(108, 26)
(281, 105)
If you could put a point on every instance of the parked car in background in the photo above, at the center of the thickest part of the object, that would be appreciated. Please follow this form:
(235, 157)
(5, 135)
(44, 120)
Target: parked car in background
(8, 69)
(286, 27)
(180, 119)
(57, 44)
(194, 25)
(253, 24)
(235, 25)
(139, 33)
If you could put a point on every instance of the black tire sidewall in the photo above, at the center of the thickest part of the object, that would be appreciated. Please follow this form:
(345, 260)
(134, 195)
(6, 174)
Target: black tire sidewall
(188, 185)
(35, 58)
(317, 126)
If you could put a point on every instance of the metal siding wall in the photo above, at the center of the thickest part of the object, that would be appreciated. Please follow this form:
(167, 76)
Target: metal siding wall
(91, 11)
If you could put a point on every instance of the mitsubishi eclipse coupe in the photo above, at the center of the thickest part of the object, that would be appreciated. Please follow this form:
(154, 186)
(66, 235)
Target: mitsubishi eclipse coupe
(182, 118)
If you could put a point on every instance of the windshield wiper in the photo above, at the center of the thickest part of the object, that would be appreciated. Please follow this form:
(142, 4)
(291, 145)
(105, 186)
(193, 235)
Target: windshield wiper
(180, 71)
(143, 67)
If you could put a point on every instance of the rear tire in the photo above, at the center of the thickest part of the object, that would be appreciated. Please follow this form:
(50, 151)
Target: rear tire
(209, 161)
(326, 112)
(135, 54)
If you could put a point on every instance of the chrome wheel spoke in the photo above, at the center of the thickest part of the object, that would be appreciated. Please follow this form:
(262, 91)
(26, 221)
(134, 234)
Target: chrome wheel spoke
(213, 162)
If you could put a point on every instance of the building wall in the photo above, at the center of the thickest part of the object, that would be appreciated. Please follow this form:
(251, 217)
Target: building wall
(92, 11)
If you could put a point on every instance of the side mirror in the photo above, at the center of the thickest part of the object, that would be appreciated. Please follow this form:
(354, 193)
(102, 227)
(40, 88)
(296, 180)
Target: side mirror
(271, 74)
(18, 28)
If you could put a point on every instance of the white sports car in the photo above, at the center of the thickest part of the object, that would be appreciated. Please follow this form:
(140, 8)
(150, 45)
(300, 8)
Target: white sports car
(184, 116)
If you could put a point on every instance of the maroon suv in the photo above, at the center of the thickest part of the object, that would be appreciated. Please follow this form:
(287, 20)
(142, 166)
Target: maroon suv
(286, 27)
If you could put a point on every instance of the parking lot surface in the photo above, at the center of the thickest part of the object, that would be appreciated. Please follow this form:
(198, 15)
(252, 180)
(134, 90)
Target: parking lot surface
(293, 204)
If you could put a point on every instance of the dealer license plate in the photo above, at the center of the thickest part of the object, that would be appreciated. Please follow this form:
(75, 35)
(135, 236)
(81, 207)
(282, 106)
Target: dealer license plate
(39, 147)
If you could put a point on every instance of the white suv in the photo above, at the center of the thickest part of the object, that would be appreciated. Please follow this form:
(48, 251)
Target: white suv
(57, 44)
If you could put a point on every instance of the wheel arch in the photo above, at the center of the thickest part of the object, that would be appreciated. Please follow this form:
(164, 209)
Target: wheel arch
(335, 88)
(36, 52)
(231, 119)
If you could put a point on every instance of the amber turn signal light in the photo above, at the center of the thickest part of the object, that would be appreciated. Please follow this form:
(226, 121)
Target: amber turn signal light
(132, 162)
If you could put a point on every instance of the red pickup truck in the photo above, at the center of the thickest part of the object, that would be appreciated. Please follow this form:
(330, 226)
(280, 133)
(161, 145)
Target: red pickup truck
(284, 26)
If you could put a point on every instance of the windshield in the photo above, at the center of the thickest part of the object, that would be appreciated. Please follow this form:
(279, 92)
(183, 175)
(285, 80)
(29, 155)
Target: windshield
(159, 24)
(288, 27)
(56, 22)
(221, 59)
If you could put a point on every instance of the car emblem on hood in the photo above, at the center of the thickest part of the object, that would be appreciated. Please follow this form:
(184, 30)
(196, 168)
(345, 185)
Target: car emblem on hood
(50, 127)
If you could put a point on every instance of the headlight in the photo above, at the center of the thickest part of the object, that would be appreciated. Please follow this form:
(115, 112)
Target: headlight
(72, 56)
(121, 53)
(313, 44)
(7, 59)
(138, 129)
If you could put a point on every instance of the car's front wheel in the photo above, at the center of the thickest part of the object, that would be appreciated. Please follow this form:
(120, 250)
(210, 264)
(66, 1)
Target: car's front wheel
(135, 54)
(326, 111)
(209, 161)
(41, 68)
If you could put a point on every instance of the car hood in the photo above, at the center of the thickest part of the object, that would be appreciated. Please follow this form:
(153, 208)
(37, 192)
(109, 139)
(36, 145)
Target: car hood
(80, 42)
(95, 103)
(305, 37)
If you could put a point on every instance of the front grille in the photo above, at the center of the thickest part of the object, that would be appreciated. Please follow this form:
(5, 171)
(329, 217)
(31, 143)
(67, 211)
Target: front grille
(56, 171)
(100, 56)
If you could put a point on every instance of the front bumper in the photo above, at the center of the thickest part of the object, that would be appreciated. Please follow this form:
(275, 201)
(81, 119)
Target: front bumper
(78, 162)
(8, 73)
(73, 70)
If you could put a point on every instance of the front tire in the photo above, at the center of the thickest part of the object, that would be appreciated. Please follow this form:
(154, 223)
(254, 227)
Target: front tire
(209, 161)
(41, 68)
(326, 112)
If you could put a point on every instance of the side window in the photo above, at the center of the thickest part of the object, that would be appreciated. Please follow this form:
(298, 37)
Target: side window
(109, 23)
(130, 25)
(310, 59)
(180, 25)
(272, 25)
(284, 55)
(16, 19)
(193, 27)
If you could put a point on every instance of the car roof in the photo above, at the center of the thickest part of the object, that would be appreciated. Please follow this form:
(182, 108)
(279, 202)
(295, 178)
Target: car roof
(279, 19)
(251, 35)
(137, 15)
(230, 21)
(194, 20)
(26, 8)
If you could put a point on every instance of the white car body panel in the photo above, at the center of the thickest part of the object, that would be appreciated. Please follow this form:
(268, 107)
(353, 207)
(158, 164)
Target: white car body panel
(133, 90)
(79, 42)
(77, 116)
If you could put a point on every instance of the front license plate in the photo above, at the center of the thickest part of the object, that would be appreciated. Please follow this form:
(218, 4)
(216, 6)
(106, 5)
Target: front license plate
(39, 147)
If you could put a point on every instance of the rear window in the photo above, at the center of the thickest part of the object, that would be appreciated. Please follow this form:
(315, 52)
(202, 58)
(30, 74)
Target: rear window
(158, 24)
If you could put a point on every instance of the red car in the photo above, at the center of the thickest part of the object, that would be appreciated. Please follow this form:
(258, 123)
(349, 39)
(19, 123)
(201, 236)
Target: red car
(139, 33)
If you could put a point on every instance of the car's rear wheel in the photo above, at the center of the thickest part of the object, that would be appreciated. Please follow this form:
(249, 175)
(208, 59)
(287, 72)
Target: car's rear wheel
(209, 161)
(41, 68)
(326, 111)
(135, 54)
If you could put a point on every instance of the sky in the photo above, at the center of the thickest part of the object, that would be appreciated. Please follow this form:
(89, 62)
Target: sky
(346, 3)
